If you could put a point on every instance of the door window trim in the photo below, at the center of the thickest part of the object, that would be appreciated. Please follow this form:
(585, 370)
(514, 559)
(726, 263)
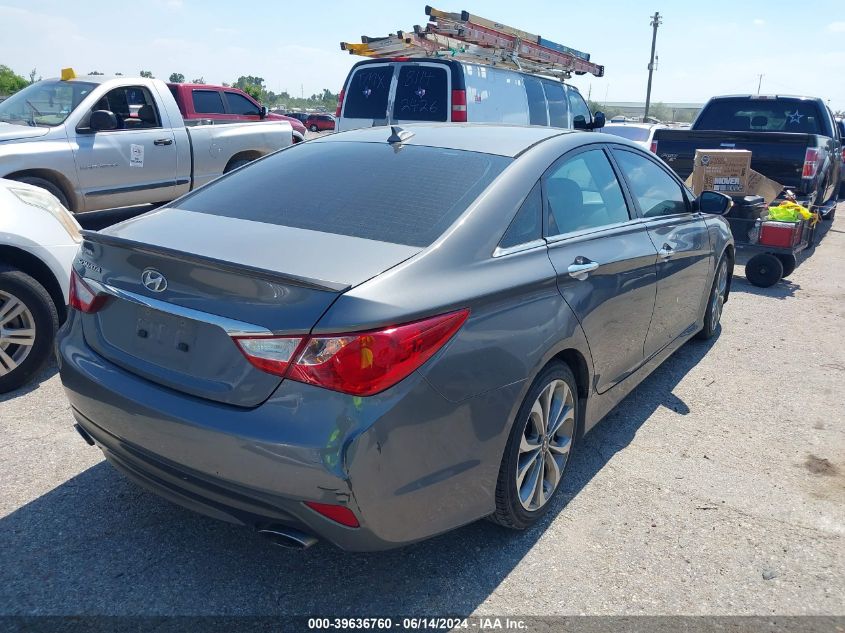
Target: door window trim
(632, 215)
(615, 147)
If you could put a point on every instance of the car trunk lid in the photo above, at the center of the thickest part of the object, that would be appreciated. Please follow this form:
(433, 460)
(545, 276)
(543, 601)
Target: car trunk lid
(221, 278)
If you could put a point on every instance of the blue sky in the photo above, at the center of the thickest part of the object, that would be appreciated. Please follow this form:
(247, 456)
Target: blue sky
(704, 48)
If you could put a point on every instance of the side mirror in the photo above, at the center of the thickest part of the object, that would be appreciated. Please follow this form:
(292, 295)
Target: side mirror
(102, 120)
(580, 123)
(262, 112)
(598, 120)
(714, 203)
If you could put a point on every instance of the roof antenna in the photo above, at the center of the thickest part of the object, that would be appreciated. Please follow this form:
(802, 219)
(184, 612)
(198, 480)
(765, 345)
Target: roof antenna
(399, 135)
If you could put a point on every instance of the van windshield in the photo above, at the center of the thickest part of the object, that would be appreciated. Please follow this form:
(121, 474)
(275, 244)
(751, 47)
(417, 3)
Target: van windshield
(44, 103)
(368, 190)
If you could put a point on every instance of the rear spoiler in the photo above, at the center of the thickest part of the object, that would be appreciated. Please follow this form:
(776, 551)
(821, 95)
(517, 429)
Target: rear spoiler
(219, 264)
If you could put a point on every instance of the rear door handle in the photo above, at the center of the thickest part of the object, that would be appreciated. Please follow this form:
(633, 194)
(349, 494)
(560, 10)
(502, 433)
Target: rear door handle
(581, 268)
(163, 141)
(665, 252)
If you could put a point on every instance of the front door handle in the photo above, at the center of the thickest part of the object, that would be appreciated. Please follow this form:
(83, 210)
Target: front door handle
(163, 141)
(665, 252)
(581, 268)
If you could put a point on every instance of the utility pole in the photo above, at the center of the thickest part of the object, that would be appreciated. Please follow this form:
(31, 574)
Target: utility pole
(655, 22)
(759, 83)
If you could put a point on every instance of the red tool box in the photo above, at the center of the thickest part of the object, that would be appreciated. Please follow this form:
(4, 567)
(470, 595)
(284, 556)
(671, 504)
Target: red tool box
(781, 234)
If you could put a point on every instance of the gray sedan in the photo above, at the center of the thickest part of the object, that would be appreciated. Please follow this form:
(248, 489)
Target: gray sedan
(415, 344)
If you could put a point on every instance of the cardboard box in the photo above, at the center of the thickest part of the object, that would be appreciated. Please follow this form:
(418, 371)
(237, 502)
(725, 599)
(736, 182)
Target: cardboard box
(722, 170)
(756, 184)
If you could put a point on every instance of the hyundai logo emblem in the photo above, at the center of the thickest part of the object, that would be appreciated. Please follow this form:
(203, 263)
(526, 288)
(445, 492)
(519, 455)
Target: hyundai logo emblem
(153, 280)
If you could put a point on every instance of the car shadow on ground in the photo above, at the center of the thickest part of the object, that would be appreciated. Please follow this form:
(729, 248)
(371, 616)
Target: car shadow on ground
(44, 374)
(97, 544)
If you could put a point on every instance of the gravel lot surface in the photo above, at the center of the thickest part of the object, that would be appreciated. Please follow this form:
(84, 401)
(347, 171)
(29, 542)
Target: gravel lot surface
(717, 487)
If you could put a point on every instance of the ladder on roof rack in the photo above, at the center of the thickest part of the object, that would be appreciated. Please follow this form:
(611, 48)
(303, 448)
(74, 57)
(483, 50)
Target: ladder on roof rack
(470, 38)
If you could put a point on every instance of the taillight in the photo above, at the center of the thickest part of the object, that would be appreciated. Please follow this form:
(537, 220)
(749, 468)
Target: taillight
(811, 163)
(653, 147)
(81, 297)
(459, 106)
(340, 514)
(339, 103)
(358, 363)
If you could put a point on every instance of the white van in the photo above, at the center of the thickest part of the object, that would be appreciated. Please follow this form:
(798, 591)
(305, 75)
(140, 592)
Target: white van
(403, 90)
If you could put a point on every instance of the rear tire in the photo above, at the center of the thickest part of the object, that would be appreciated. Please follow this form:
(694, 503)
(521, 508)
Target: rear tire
(314, 128)
(539, 449)
(45, 184)
(764, 270)
(235, 164)
(25, 306)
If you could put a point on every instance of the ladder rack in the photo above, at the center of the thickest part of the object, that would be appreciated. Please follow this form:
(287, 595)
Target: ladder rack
(470, 38)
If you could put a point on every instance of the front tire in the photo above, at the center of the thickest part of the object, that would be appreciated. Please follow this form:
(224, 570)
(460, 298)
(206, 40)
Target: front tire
(28, 324)
(539, 448)
(715, 301)
(45, 184)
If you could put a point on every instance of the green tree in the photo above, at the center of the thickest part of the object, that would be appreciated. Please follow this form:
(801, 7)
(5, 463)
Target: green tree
(10, 82)
(199, 80)
(32, 74)
(147, 74)
(95, 72)
(177, 78)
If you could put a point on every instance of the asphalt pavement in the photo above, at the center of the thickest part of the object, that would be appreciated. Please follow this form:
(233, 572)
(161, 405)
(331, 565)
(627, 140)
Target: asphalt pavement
(717, 487)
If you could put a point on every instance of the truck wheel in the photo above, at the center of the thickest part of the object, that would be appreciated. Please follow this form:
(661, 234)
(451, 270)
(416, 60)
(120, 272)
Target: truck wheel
(28, 324)
(48, 186)
(235, 164)
(788, 262)
(764, 270)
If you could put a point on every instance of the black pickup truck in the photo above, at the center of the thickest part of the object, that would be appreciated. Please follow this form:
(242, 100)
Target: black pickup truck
(793, 140)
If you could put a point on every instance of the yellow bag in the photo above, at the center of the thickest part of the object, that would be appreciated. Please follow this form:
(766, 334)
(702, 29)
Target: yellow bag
(789, 212)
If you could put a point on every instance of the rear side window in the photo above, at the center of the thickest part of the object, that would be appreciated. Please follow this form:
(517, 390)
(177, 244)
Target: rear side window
(761, 115)
(369, 190)
(421, 93)
(555, 95)
(367, 92)
(208, 102)
(536, 102)
(527, 225)
(239, 104)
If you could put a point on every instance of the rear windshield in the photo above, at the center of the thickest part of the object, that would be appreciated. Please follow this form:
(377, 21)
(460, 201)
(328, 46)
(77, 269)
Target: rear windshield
(368, 190)
(366, 95)
(631, 133)
(421, 93)
(761, 115)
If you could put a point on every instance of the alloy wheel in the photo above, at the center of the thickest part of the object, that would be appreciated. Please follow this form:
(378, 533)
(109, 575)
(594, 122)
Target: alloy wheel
(545, 445)
(17, 332)
(718, 298)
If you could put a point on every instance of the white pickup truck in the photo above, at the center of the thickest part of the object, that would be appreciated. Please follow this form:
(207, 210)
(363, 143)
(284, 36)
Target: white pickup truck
(99, 143)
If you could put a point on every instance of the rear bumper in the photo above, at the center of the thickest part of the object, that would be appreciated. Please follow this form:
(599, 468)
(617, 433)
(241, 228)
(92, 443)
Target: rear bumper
(408, 463)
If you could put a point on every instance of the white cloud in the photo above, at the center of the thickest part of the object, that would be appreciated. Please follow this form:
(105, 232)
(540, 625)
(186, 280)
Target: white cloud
(836, 27)
(759, 22)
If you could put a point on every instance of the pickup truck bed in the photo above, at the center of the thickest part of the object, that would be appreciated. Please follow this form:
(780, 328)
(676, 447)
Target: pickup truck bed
(793, 141)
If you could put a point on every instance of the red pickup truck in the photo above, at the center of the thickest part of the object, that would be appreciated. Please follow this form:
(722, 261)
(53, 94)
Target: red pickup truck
(203, 102)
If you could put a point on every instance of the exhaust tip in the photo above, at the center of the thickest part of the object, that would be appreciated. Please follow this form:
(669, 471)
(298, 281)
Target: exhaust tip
(84, 435)
(287, 537)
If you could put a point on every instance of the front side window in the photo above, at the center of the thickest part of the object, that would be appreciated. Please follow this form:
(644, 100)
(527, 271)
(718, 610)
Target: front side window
(45, 103)
(527, 224)
(421, 93)
(582, 192)
(656, 192)
(208, 102)
(239, 104)
(133, 107)
(578, 106)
